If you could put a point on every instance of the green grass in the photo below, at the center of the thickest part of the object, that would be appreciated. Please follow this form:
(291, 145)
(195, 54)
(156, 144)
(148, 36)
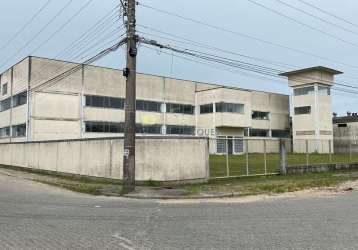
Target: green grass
(273, 184)
(237, 163)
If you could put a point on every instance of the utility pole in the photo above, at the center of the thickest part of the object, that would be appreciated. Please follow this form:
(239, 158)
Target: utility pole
(130, 103)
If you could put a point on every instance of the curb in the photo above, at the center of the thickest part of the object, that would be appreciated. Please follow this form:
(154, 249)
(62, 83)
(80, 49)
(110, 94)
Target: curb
(222, 196)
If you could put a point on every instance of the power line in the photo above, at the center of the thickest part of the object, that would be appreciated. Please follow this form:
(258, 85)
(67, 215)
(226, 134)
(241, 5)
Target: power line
(303, 24)
(101, 43)
(27, 24)
(317, 17)
(63, 26)
(100, 26)
(329, 13)
(74, 69)
(187, 41)
(206, 46)
(234, 63)
(246, 36)
(27, 43)
(93, 30)
(240, 72)
(212, 65)
(60, 69)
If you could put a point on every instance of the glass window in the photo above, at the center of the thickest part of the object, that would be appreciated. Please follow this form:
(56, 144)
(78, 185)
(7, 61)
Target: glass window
(259, 133)
(180, 108)
(104, 102)
(5, 104)
(116, 103)
(118, 127)
(324, 90)
(180, 130)
(104, 127)
(19, 99)
(150, 106)
(149, 129)
(206, 108)
(4, 89)
(19, 130)
(222, 107)
(5, 132)
(304, 91)
(280, 133)
(258, 115)
(302, 110)
(238, 145)
(221, 145)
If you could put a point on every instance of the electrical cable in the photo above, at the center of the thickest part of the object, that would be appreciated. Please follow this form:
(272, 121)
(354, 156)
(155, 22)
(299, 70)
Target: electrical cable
(328, 13)
(246, 36)
(303, 24)
(57, 31)
(317, 17)
(27, 43)
(234, 63)
(27, 24)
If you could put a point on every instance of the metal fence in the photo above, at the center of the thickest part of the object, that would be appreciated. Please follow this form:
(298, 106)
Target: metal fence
(236, 157)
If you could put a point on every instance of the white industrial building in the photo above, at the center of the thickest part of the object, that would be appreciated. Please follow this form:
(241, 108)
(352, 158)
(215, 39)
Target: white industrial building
(90, 103)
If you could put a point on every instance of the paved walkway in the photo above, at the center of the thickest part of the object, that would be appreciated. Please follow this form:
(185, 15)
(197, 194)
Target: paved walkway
(37, 216)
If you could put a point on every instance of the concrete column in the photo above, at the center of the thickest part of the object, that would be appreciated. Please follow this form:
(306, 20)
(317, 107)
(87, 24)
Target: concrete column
(283, 157)
(11, 88)
(82, 102)
(28, 103)
(316, 117)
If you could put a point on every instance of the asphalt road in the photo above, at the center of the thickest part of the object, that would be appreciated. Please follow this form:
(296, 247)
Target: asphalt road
(37, 216)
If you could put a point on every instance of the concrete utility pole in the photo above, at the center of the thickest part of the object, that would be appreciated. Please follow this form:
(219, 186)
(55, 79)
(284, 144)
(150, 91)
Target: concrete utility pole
(130, 103)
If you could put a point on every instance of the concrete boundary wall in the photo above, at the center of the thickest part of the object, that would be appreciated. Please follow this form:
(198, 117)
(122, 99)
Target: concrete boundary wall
(157, 158)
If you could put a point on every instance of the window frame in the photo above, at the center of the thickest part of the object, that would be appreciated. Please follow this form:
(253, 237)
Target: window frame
(179, 108)
(4, 89)
(301, 91)
(225, 107)
(302, 112)
(256, 132)
(18, 130)
(267, 114)
(180, 130)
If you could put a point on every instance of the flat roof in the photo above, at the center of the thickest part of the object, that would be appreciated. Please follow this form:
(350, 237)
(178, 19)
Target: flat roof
(345, 119)
(215, 85)
(319, 68)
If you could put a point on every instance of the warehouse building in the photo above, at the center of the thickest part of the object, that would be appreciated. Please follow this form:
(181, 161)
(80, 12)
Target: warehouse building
(89, 103)
(345, 130)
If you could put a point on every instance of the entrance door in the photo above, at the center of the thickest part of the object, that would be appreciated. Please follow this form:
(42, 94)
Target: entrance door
(230, 145)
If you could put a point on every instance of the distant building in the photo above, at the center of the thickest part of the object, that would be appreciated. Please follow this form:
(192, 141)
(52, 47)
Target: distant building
(345, 130)
(90, 103)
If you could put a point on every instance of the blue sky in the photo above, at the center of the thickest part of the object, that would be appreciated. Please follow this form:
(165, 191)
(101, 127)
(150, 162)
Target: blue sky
(240, 15)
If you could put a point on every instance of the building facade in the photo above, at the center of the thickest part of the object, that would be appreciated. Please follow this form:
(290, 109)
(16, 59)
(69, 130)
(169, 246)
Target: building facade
(345, 130)
(89, 103)
(312, 128)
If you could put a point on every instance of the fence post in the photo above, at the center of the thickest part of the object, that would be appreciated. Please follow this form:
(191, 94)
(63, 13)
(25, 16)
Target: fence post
(307, 156)
(227, 158)
(350, 151)
(330, 151)
(283, 157)
(265, 156)
(247, 157)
